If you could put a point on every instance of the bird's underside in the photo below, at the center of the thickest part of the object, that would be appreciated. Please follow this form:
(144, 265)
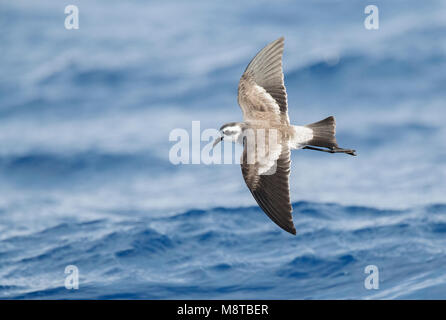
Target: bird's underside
(263, 99)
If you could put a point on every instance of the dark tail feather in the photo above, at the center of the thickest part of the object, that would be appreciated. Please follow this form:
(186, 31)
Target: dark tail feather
(323, 133)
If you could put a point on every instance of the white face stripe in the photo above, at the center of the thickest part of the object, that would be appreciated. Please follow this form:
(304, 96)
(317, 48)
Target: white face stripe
(232, 129)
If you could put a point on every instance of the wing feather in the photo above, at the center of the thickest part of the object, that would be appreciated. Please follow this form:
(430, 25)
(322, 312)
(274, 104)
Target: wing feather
(271, 191)
(264, 71)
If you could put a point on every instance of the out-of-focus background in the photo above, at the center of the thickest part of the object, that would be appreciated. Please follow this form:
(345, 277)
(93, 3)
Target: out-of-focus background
(85, 177)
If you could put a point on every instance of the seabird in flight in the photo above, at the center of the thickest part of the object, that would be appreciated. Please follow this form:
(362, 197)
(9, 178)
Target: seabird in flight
(267, 135)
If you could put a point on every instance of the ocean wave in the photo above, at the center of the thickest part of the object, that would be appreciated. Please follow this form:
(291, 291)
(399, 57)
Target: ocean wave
(219, 253)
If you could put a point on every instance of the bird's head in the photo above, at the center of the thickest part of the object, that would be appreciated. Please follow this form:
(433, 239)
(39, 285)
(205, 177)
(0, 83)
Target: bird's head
(230, 132)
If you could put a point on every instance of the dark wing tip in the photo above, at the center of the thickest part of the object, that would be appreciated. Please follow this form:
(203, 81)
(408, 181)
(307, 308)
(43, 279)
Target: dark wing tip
(288, 228)
(280, 216)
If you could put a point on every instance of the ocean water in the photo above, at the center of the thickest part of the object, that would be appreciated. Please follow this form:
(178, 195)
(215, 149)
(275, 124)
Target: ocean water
(85, 176)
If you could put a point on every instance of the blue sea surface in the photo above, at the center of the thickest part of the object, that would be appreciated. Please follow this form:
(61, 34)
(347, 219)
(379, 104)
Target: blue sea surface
(85, 176)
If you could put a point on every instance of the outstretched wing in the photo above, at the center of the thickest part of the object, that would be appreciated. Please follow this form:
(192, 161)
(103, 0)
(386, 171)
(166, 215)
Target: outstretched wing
(261, 91)
(271, 188)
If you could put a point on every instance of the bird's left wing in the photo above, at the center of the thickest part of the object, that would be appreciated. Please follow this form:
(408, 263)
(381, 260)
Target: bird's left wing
(269, 185)
(261, 92)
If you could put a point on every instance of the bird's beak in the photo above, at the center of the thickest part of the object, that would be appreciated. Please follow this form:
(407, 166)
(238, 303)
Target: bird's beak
(217, 141)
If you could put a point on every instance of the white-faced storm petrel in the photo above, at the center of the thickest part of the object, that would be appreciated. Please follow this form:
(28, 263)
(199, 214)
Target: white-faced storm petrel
(263, 100)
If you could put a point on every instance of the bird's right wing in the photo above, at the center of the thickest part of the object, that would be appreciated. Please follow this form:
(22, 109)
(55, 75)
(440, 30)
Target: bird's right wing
(271, 188)
(261, 92)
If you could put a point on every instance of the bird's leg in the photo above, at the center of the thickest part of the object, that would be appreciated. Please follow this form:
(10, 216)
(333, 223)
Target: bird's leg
(333, 150)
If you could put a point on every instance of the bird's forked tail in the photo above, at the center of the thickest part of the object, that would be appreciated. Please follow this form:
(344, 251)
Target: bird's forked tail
(324, 136)
(323, 133)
